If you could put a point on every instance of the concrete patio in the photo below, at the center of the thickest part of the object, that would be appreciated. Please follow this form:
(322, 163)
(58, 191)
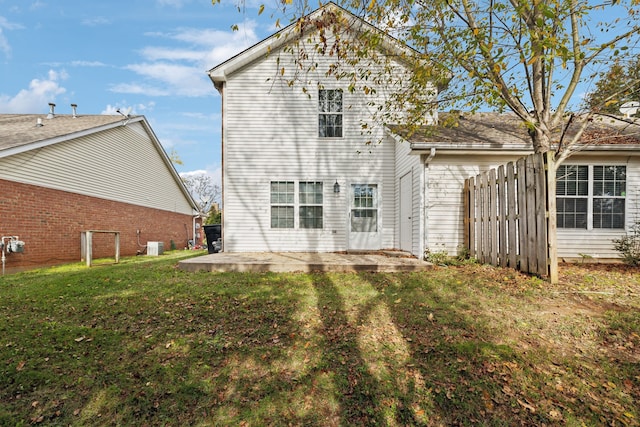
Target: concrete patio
(382, 261)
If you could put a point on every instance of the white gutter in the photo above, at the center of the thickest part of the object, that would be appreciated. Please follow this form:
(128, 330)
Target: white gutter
(519, 149)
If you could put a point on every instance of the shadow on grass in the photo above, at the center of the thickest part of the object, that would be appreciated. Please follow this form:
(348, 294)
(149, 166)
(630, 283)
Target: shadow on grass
(356, 390)
(156, 346)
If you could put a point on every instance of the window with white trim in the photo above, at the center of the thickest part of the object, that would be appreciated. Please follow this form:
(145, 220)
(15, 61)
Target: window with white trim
(330, 113)
(307, 204)
(591, 196)
(282, 204)
(310, 204)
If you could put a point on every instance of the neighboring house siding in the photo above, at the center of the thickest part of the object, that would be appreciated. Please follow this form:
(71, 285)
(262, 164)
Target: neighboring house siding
(445, 181)
(50, 223)
(119, 164)
(271, 134)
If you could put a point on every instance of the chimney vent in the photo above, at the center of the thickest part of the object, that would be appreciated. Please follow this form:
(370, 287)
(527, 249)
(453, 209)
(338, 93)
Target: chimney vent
(51, 114)
(39, 122)
(74, 107)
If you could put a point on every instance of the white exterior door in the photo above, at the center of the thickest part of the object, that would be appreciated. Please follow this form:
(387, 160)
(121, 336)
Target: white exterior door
(364, 217)
(406, 205)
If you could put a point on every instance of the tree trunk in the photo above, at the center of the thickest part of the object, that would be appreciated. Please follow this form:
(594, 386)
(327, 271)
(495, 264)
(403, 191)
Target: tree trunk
(541, 138)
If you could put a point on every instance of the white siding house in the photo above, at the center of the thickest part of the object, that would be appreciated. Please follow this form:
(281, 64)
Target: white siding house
(299, 174)
(598, 195)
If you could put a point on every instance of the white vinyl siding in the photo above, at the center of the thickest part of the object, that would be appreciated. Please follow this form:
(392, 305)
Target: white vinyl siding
(444, 205)
(270, 134)
(108, 165)
(445, 177)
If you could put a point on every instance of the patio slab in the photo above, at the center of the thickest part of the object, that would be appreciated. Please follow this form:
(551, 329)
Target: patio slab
(382, 261)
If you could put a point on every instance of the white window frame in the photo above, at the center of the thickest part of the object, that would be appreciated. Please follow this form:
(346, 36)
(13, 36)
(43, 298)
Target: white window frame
(330, 113)
(591, 197)
(296, 203)
(279, 203)
(311, 204)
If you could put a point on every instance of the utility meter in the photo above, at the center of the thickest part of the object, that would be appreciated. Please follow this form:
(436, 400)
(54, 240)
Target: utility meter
(16, 246)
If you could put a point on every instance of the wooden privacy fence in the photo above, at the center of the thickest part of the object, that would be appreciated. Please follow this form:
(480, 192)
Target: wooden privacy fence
(510, 216)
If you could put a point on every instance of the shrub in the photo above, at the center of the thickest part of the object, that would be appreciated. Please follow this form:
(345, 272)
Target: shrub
(444, 259)
(629, 246)
(437, 257)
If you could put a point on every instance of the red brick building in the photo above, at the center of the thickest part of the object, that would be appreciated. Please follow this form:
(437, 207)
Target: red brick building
(62, 175)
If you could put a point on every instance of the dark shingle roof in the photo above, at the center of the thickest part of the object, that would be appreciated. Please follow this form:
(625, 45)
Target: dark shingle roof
(21, 129)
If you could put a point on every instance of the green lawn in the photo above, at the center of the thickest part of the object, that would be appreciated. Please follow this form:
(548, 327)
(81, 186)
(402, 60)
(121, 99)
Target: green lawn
(143, 343)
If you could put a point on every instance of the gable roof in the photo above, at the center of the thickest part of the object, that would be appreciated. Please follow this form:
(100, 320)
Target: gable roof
(21, 133)
(495, 131)
(220, 72)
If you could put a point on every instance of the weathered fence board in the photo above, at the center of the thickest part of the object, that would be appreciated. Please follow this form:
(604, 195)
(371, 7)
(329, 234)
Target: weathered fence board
(510, 216)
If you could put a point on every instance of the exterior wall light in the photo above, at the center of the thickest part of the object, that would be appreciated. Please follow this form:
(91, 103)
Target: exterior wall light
(336, 188)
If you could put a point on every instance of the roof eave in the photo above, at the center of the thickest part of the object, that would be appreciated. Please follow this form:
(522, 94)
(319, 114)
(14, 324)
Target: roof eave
(515, 148)
(220, 72)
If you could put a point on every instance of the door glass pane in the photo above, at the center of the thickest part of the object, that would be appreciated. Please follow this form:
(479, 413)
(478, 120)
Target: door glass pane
(364, 208)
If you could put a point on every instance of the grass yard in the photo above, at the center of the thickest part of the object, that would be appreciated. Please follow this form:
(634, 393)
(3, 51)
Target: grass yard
(142, 343)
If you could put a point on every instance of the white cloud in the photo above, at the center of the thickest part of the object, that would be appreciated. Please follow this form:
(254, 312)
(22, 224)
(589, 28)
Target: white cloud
(177, 79)
(88, 64)
(9, 25)
(5, 47)
(174, 3)
(37, 5)
(124, 106)
(139, 89)
(94, 22)
(36, 97)
(181, 70)
(162, 53)
(214, 172)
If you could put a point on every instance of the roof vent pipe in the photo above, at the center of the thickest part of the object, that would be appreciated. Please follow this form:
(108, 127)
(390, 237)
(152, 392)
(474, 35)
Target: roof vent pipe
(52, 106)
(73, 107)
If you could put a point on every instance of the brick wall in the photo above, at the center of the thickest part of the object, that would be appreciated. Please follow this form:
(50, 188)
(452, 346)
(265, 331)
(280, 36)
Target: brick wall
(50, 223)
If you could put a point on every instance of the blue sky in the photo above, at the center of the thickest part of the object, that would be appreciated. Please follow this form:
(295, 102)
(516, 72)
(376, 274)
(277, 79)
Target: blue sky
(147, 55)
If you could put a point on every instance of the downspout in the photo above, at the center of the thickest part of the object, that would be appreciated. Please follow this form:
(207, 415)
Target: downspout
(432, 154)
(220, 87)
(195, 242)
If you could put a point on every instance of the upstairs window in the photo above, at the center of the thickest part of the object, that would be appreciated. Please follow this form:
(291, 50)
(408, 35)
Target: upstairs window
(330, 113)
(590, 197)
